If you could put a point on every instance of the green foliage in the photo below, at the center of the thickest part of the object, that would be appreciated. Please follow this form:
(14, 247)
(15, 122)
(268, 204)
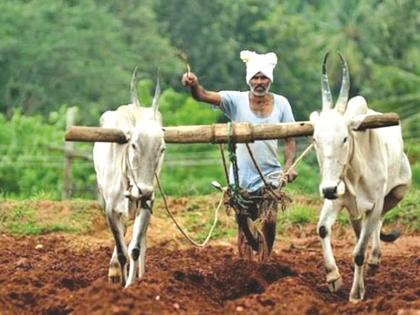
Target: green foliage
(187, 180)
(24, 143)
(206, 32)
(59, 52)
(83, 53)
(181, 109)
(31, 157)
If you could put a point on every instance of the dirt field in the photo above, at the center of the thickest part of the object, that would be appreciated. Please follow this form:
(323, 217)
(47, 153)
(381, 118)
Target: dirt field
(66, 273)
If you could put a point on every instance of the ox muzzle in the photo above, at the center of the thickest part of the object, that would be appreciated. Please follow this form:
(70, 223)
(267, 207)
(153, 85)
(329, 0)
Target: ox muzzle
(331, 190)
(139, 192)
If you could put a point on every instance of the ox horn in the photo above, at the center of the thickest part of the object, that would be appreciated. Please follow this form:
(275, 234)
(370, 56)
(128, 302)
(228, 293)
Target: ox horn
(155, 103)
(133, 88)
(325, 87)
(343, 97)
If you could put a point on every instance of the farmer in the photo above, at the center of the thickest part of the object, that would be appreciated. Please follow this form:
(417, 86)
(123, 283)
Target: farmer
(256, 106)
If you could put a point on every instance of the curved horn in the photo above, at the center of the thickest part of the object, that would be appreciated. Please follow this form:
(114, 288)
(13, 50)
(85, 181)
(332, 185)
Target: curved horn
(155, 103)
(325, 87)
(133, 88)
(343, 97)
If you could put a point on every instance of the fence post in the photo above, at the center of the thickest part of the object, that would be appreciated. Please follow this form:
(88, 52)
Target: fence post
(68, 155)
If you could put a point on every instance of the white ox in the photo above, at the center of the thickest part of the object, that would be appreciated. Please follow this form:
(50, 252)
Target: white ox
(365, 172)
(126, 179)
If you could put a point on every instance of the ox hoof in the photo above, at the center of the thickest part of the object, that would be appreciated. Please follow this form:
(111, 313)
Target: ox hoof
(355, 300)
(114, 275)
(130, 282)
(114, 279)
(372, 269)
(357, 296)
(334, 281)
(335, 285)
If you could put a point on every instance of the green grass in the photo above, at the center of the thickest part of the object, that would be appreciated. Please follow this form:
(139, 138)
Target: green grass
(407, 212)
(298, 215)
(221, 231)
(21, 220)
(32, 228)
(28, 218)
(32, 217)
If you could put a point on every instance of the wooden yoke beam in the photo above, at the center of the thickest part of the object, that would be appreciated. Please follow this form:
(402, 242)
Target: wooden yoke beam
(220, 133)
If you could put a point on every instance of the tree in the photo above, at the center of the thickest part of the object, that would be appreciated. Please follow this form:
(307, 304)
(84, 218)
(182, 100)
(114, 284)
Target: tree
(392, 44)
(79, 53)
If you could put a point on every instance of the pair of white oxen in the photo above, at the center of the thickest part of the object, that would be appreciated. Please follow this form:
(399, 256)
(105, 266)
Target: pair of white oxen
(365, 172)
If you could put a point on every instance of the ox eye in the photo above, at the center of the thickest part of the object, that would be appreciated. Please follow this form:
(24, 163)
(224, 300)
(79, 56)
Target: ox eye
(345, 140)
(133, 146)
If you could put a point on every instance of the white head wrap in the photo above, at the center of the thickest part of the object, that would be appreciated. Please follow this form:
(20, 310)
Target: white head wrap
(255, 63)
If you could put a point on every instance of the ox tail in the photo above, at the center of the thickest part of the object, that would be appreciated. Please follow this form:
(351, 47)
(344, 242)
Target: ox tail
(390, 237)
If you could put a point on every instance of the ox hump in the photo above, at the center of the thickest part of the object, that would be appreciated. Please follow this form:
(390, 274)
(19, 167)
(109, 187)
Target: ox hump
(356, 106)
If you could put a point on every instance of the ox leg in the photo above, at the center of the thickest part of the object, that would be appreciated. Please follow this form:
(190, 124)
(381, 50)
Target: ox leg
(355, 216)
(327, 218)
(357, 226)
(117, 272)
(394, 197)
(370, 224)
(114, 271)
(136, 251)
(143, 247)
(375, 254)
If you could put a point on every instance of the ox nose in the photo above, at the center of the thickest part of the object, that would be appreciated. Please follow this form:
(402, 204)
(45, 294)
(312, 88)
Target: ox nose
(330, 192)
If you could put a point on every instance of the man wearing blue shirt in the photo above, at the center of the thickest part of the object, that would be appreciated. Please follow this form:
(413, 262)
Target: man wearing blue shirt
(257, 106)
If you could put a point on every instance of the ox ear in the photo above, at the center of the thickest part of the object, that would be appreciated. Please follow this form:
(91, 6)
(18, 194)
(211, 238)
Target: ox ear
(155, 103)
(313, 118)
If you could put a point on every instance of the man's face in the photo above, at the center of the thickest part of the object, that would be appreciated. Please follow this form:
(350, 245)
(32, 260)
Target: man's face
(259, 84)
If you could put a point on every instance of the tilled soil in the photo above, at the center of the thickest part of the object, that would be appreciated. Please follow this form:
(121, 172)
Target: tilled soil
(48, 275)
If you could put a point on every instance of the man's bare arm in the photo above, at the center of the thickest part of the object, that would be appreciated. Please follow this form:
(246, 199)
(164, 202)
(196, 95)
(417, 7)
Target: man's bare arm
(289, 156)
(198, 92)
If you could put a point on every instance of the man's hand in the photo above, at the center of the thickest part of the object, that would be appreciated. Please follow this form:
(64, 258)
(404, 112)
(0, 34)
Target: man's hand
(189, 79)
(198, 92)
(291, 175)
